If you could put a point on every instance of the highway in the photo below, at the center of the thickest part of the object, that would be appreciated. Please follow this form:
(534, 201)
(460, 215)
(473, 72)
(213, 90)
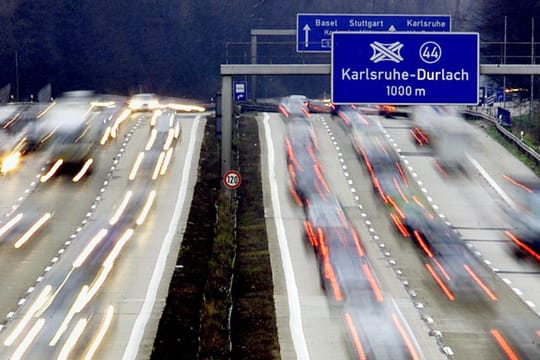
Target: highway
(471, 200)
(91, 281)
(83, 263)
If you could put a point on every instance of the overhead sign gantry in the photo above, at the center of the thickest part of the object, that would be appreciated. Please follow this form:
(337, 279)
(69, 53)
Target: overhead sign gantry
(405, 68)
(314, 31)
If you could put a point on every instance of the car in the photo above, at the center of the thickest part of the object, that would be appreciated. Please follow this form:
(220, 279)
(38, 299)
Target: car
(525, 218)
(293, 105)
(381, 160)
(343, 264)
(305, 171)
(144, 102)
(447, 259)
(320, 106)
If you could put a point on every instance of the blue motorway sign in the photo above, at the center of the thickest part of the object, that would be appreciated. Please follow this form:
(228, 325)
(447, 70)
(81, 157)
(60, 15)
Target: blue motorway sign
(314, 31)
(240, 90)
(405, 68)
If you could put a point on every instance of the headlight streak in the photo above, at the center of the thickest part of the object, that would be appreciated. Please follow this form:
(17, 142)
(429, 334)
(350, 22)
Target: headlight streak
(121, 208)
(96, 342)
(120, 119)
(88, 292)
(10, 224)
(106, 136)
(40, 301)
(150, 143)
(89, 248)
(52, 171)
(83, 170)
(28, 339)
(177, 130)
(159, 162)
(11, 162)
(33, 229)
(169, 140)
(154, 117)
(72, 339)
(146, 208)
(136, 166)
(165, 166)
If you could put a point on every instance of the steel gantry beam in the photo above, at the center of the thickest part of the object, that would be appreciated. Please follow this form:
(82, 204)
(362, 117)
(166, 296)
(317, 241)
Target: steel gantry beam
(227, 71)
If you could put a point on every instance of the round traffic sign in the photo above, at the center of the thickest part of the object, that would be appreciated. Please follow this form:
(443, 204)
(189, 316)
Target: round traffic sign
(232, 179)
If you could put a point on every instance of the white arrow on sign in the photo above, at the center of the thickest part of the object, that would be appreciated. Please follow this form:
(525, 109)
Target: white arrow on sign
(306, 29)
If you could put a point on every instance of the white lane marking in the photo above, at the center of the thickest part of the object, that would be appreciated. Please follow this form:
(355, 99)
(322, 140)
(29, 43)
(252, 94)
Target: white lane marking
(295, 320)
(491, 182)
(137, 333)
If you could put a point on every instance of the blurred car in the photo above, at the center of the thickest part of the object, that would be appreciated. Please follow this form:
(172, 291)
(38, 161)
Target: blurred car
(305, 171)
(381, 160)
(143, 102)
(525, 219)
(319, 106)
(165, 130)
(449, 262)
(293, 105)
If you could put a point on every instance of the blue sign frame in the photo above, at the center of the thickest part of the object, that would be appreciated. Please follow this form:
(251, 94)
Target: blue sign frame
(314, 31)
(404, 68)
(240, 91)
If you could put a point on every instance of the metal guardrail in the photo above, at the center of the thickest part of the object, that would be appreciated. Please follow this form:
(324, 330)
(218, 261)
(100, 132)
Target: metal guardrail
(530, 152)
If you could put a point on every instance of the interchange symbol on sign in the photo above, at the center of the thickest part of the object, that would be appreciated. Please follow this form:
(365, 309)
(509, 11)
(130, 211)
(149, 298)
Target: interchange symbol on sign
(386, 52)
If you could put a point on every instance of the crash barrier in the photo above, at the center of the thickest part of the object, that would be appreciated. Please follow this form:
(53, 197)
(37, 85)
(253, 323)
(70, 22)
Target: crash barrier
(527, 150)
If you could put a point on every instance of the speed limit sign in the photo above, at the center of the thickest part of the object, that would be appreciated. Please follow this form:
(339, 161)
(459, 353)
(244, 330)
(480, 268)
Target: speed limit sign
(232, 179)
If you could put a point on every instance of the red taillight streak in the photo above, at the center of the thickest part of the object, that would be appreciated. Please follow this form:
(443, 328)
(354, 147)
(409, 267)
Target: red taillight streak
(357, 243)
(363, 119)
(318, 172)
(402, 173)
(441, 268)
(398, 187)
(342, 218)
(522, 245)
(310, 233)
(294, 194)
(423, 245)
(423, 136)
(504, 345)
(283, 110)
(355, 338)
(344, 118)
(440, 168)
(480, 283)
(292, 173)
(439, 282)
(419, 203)
(402, 229)
(373, 283)
(518, 184)
(396, 207)
(416, 138)
(331, 276)
(379, 188)
(405, 337)
(312, 153)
